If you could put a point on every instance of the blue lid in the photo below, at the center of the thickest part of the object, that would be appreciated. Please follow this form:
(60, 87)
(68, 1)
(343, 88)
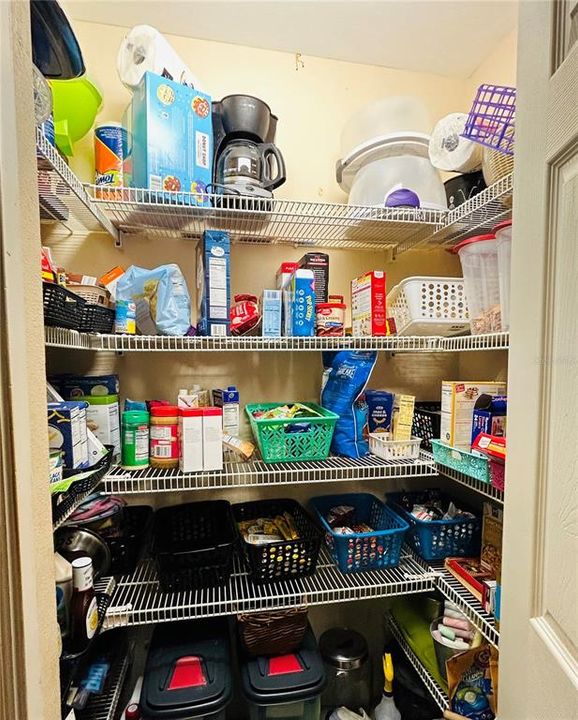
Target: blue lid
(187, 670)
(298, 676)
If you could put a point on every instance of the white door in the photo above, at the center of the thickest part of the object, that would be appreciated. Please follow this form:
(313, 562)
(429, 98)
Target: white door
(539, 641)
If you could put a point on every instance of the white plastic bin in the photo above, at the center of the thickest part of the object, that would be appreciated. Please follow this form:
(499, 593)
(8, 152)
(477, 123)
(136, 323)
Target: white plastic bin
(503, 233)
(429, 306)
(479, 260)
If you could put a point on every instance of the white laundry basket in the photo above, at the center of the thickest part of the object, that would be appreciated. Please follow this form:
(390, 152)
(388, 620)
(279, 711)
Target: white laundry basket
(429, 306)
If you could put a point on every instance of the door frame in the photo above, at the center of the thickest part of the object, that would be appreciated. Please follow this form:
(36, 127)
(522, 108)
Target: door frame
(29, 681)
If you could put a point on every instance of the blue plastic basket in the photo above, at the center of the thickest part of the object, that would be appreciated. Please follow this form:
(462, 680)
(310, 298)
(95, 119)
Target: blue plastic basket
(438, 539)
(363, 551)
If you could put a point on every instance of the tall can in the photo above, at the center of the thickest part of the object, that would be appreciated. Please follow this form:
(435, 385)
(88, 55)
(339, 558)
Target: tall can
(135, 439)
(110, 151)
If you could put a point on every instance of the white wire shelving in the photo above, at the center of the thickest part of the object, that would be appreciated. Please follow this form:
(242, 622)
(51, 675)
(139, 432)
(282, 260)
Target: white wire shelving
(436, 691)
(485, 489)
(477, 215)
(258, 473)
(138, 599)
(62, 197)
(73, 340)
(265, 221)
(105, 706)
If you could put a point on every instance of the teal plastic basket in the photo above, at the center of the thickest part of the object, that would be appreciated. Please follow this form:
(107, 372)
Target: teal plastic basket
(465, 462)
(279, 441)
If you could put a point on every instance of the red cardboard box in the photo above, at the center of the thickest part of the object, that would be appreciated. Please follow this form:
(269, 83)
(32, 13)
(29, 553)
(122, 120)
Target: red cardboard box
(368, 311)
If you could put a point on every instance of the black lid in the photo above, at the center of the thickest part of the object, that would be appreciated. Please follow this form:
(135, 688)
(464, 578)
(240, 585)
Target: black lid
(344, 649)
(187, 670)
(285, 678)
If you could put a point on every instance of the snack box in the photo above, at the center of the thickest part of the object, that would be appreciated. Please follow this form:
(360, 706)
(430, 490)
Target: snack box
(73, 387)
(271, 313)
(458, 402)
(67, 432)
(368, 307)
(319, 263)
(170, 139)
(489, 416)
(214, 283)
(103, 419)
(299, 303)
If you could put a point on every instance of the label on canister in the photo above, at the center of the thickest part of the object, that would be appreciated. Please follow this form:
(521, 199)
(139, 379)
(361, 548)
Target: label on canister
(125, 317)
(110, 151)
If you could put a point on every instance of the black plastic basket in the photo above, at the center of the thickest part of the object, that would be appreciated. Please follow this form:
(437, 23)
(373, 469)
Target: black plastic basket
(97, 319)
(194, 545)
(427, 419)
(281, 560)
(64, 503)
(62, 308)
(126, 550)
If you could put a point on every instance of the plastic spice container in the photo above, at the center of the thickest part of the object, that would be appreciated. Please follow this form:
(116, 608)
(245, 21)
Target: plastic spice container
(330, 317)
(135, 439)
(164, 436)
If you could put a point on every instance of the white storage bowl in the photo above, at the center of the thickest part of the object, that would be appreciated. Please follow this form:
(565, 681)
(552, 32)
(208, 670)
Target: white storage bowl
(429, 306)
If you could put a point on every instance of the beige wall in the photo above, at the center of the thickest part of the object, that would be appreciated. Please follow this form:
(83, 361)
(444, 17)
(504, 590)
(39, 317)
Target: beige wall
(499, 68)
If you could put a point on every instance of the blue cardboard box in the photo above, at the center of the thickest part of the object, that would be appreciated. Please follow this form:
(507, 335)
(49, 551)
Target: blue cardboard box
(271, 313)
(490, 416)
(300, 304)
(67, 432)
(214, 283)
(170, 139)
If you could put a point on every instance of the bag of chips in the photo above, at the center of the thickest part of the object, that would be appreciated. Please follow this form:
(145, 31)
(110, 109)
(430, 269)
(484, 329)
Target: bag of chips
(473, 682)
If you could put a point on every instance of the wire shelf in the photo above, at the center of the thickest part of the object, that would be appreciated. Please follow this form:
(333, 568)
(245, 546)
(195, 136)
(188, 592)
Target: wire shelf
(62, 196)
(479, 214)
(105, 706)
(259, 473)
(138, 600)
(72, 339)
(265, 221)
(437, 693)
(485, 489)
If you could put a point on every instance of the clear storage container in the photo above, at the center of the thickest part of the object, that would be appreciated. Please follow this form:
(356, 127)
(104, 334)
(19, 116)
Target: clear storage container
(503, 233)
(479, 260)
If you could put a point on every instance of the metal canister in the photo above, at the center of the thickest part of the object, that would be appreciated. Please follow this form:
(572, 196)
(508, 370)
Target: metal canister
(135, 439)
(110, 152)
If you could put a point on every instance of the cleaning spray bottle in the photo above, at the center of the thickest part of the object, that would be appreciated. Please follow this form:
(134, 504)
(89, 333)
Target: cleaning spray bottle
(386, 710)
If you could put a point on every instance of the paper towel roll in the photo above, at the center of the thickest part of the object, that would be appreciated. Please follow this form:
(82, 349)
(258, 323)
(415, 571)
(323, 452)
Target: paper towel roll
(144, 48)
(449, 151)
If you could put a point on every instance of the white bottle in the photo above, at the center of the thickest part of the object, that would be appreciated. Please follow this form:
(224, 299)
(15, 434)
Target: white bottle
(63, 579)
(386, 710)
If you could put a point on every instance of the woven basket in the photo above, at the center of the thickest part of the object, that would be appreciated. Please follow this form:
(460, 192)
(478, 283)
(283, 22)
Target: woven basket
(91, 293)
(495, 166)
(272, 633)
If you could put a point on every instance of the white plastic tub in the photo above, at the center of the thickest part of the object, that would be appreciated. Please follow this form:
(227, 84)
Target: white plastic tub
(479, 260)
(429, 306)
(503, 233)
(383, 446)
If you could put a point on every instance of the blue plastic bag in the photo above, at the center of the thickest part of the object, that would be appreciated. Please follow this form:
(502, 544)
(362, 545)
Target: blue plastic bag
(163, 304)
(343, 394)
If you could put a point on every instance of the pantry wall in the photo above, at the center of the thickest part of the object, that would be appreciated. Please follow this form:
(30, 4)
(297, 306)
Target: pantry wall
(312, 100)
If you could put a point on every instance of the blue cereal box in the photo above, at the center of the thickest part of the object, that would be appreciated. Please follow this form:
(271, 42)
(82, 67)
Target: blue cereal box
(300, 304)
(214, 283)
(171, 139)
(67, 432)
(271, 313)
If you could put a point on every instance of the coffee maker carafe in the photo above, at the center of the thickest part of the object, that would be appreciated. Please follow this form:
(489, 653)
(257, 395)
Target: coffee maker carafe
(246, 160)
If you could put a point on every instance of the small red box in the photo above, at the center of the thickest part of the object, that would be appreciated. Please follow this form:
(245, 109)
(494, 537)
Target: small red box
(368, 310)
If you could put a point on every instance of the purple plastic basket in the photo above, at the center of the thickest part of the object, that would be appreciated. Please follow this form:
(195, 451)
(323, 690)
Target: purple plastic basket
(492, 117)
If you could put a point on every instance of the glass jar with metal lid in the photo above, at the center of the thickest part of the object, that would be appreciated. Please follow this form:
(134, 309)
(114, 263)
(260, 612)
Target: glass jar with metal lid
(347, 668)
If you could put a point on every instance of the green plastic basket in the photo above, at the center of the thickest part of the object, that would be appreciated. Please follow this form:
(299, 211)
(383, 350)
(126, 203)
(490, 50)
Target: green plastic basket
(278, 444)
(465, 462)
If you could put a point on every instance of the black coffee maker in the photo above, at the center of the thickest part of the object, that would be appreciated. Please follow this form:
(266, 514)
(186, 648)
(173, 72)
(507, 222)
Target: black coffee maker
(246, 161)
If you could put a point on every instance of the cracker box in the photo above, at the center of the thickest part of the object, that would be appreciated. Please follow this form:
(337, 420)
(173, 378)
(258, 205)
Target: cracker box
(458, 401)
(170, 139)
(368, 311)
(214, 283)
(67, 432)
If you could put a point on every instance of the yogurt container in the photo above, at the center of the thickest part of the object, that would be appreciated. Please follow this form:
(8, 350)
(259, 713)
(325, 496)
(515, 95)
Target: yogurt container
(330, 317)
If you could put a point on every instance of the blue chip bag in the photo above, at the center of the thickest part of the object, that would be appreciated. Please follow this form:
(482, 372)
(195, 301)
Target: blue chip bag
(343, 394)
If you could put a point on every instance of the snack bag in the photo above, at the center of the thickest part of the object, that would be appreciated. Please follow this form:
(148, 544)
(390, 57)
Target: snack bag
(343, 393)
(473, 682)
(163, 304)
